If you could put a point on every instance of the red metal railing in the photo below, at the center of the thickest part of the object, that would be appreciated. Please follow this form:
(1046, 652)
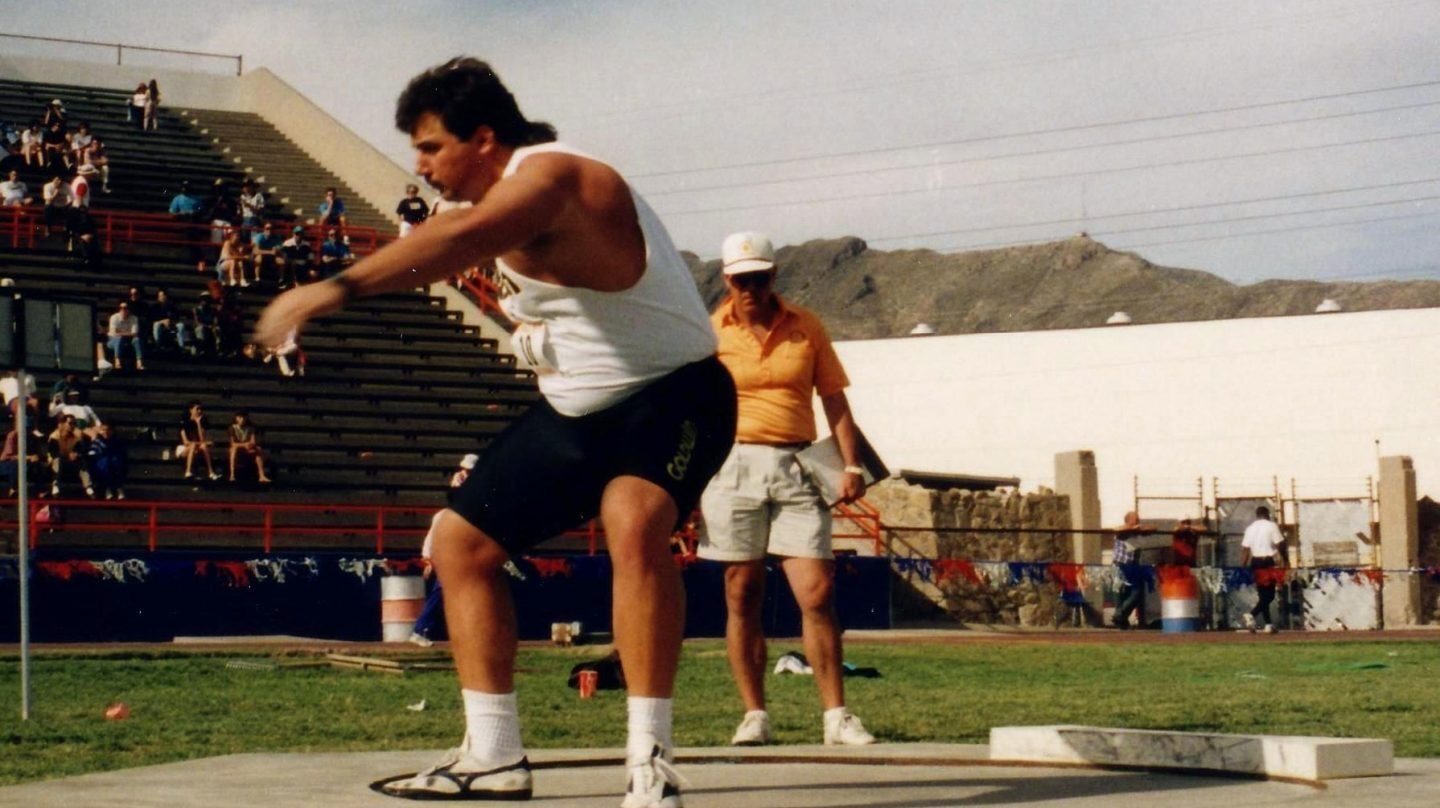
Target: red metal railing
(114, 227)
(482, 291)
(866, 519)
(368, 520)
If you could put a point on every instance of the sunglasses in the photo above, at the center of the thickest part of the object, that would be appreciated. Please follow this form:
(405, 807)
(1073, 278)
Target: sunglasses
(751, 280)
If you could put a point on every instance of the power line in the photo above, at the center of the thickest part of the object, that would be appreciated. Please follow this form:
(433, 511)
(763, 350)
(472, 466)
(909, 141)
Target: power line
(948, 188)
(1036, 132)
(1283, 230)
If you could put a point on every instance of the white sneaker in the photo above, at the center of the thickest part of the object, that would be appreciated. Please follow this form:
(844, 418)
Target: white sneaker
(421, 640)
(654, 783)
(754, 730)
(847, 731)
(1269, 629)
(458, 776)
(1248, 621)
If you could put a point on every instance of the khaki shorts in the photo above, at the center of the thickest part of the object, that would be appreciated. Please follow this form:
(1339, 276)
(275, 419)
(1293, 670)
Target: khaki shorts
(761, 502)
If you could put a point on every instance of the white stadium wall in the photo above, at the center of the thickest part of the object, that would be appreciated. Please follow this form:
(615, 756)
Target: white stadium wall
(1242, 400)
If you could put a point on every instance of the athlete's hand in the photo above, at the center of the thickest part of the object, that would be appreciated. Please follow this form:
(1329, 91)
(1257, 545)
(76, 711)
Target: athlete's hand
(293, 309)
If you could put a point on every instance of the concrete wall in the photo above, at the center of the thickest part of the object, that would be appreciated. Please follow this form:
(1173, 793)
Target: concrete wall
(1303, 397)
(178, 89)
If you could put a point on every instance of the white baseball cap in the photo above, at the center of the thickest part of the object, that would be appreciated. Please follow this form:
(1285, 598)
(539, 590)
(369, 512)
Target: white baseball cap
(468, 461)
(86, 169)
(746, 251)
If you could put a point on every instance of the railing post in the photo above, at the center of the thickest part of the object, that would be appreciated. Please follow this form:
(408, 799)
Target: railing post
(30, 517)
(593, 536)
(240, 64)
(119, 55)
(269, 528)
(154, 527)
(380, 531)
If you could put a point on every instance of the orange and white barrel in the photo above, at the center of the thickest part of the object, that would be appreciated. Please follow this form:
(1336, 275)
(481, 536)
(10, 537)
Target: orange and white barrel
(402, 597)
(1179, 603)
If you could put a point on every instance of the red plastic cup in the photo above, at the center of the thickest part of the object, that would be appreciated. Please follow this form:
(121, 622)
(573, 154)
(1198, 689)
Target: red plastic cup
(588, 681)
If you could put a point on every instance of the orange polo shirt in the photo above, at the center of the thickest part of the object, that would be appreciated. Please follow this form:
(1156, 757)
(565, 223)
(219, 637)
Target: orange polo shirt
(776, 380)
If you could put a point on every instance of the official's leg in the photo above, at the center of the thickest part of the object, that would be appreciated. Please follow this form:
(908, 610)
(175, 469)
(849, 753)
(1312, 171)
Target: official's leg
(812, 580)
(744, 631)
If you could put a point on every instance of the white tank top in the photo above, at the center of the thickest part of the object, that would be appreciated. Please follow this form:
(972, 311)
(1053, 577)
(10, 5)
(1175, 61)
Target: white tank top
(591, 349)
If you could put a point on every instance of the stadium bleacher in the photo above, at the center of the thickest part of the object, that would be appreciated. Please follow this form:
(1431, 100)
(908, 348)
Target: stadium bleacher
(397, 387)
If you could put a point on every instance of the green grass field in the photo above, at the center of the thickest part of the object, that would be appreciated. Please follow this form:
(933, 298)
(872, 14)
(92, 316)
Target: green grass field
(189, 705)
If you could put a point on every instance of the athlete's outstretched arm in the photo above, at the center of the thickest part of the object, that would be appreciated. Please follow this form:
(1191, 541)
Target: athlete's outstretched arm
(516, 211)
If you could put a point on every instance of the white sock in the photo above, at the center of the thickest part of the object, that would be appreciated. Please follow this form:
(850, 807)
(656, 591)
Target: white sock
(835, 714)
(649, 724)
(492, 726)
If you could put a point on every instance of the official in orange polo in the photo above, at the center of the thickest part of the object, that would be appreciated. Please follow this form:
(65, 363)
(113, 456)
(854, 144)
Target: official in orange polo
(761, 503)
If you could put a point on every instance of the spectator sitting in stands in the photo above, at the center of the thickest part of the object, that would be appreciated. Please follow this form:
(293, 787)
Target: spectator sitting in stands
(166, 324)
(109, 462)
(195, 440)
(140, 307)
(265, 247)
(252, 204)
(335, 254)
(184, 206)
(297, 259)
(332, 210)
(55, 114)
(245, 439)
(56, 195)
(10, 462)
(14, 192)
(32, 145)
(234, 252)
(56, 149)
(97, 156)
(124, 332)
(150, 112)
(229, 325)
(66, 383)
(281, 355)
(9, 138)
(412, 210)
(222, 212)
(76, 407)
(80, 141)
(204, 318)
(66, 449)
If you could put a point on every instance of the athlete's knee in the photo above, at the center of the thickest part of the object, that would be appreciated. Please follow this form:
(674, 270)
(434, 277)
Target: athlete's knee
(462, 549)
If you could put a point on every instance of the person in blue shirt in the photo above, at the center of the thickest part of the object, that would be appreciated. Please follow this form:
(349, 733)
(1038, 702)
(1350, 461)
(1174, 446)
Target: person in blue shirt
(332, 210)
(184, 206)
(334, 254)
(267, 252)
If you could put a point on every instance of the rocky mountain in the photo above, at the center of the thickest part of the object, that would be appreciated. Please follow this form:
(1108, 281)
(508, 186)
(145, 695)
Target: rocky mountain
(1075, 283)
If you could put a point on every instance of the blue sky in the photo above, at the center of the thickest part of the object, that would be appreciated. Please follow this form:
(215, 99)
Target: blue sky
(1251, 139)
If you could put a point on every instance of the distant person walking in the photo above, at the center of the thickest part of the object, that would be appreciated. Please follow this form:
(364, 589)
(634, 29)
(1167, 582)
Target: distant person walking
(1130, 597)
(1262, 550)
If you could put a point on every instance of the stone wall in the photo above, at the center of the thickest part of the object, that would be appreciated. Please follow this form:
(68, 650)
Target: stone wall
(903, 505)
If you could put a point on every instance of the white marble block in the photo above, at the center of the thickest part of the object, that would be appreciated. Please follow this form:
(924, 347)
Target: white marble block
(1298, 757)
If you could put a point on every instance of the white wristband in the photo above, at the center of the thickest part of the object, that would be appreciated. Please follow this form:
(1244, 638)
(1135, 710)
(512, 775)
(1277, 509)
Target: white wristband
(855, 470)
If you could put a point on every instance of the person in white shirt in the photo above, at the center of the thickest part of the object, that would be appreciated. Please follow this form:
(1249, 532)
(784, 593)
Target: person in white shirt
(125, 330)
(14, 192)
(1262, 550)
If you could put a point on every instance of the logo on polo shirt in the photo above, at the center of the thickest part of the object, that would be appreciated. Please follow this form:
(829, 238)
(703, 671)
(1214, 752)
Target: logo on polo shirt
(681, 462)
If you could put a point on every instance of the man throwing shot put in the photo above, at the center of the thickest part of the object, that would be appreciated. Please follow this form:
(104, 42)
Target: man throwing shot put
(762, 503)
(636, 413)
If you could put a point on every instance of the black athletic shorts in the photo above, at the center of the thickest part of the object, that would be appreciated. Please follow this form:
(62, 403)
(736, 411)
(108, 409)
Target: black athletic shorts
(544, 473)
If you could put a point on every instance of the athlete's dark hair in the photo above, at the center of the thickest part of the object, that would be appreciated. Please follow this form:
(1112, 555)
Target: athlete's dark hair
(467, 94)
(1262, 512)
